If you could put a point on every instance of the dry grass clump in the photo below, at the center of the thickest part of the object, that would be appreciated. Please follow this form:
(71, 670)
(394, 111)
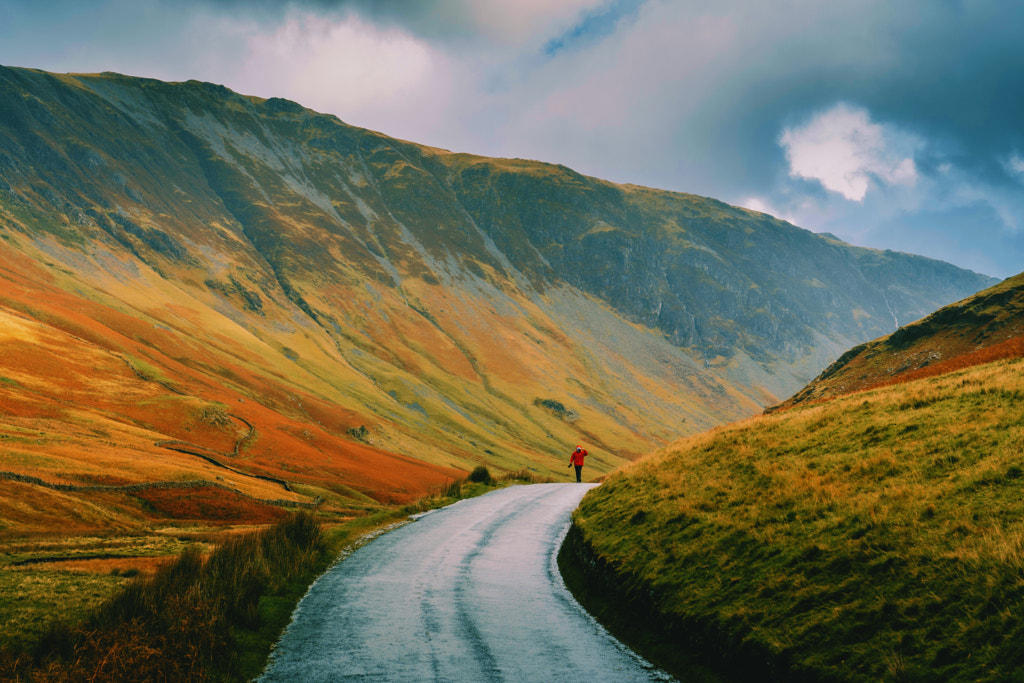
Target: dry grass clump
(879, 536)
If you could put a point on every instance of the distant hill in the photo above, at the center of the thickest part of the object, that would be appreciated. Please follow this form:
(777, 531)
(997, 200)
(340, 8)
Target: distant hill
(981, 328)
(202, 286)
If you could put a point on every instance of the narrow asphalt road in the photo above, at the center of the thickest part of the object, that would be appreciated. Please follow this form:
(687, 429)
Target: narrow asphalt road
(467, 593)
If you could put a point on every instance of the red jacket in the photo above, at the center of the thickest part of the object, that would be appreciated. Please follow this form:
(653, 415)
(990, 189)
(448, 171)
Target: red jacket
(577, 457)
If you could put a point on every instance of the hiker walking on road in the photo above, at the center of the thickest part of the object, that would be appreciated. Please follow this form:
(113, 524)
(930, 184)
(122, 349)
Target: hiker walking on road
(576, 460)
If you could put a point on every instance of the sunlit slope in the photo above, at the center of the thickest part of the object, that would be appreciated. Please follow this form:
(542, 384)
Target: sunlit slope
(109, 422)
(342, 299)
(979, 329)
(267, 218)
(875, 536)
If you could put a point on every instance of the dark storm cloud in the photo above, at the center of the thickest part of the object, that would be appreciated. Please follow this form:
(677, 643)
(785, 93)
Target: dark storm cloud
(956, 77)
(952, 72)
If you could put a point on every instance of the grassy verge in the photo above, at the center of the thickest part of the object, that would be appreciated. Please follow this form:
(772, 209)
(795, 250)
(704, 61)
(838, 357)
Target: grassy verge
(879, 536)
(206, 616)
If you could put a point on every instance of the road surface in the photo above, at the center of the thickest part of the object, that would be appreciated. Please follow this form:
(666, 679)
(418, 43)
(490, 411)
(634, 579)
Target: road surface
(470, 592)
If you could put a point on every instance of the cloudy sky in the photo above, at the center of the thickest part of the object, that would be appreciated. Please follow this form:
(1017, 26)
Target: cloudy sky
(896, 124)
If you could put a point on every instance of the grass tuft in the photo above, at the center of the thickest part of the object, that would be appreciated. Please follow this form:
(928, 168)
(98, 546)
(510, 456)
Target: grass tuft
(480, 475)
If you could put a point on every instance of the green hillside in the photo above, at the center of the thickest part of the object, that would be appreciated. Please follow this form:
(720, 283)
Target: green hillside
(877, 536)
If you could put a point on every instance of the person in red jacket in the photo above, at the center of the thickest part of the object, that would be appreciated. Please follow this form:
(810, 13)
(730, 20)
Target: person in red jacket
(576, 460)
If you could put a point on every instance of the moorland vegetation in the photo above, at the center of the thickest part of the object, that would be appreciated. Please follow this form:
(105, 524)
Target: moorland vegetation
(875, 536)
(980, 329)
(186, 621)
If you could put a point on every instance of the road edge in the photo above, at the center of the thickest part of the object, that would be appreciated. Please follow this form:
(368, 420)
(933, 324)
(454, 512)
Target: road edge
(690, 650)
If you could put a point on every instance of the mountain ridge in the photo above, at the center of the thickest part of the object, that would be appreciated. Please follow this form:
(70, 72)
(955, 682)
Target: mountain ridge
(978, 329)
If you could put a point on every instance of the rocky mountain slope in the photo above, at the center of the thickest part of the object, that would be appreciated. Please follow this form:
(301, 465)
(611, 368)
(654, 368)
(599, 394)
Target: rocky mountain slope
(979, 329)
(246, 289)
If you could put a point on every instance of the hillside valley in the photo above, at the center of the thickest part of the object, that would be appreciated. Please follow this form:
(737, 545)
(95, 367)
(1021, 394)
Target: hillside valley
(217, 306)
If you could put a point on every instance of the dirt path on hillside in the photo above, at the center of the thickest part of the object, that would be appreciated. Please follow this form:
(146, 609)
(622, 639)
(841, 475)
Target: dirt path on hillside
(468, 593)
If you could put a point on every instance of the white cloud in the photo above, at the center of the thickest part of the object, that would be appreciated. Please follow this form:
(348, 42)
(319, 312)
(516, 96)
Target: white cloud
(348, 63)
(758, 204)
(1014, 164)
(616, 106)
(845, 151)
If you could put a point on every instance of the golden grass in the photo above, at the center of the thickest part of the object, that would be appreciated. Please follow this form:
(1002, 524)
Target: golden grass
(31, 601)
(874, 535)
(977, 330)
